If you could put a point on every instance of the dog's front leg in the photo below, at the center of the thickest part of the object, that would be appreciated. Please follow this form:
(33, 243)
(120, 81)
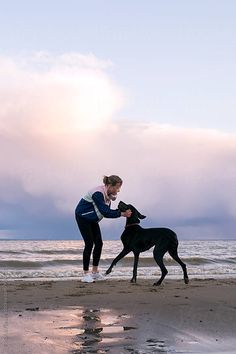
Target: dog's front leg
(136, 258)
(122, 254)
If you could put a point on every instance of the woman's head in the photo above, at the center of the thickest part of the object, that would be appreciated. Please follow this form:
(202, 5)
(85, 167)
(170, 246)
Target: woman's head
(113, 184)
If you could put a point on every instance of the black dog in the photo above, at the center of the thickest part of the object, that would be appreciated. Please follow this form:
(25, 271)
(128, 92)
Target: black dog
(137, 239)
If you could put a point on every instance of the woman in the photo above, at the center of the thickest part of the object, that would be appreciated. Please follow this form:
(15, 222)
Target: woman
(91, 209)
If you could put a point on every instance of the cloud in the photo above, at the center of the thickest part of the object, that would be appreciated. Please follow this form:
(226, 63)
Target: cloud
(56, 95)
(60, 135)
(180, 177)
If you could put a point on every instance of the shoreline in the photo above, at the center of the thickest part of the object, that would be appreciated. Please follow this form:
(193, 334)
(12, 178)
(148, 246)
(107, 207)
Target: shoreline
(117, 277)
(116, 316)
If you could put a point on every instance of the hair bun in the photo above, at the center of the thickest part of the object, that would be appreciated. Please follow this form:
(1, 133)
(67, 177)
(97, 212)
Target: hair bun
(112, 180)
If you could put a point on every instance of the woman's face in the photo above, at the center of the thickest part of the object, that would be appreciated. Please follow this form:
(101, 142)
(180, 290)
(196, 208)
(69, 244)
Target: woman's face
(113, 189)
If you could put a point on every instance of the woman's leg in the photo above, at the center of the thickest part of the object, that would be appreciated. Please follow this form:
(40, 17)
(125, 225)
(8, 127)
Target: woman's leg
(86, 231)
(97, 239)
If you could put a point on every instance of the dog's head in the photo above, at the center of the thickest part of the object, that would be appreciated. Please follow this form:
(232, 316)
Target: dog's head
(135, 217)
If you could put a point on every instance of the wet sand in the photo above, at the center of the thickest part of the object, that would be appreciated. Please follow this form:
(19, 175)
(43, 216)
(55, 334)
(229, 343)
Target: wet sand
(118, 317)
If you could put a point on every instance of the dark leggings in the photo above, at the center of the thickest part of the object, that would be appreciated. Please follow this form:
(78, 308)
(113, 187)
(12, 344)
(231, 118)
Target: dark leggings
(91, 234)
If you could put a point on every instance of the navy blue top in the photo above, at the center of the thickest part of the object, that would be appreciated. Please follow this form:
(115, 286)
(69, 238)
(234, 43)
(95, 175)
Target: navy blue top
(93, 206)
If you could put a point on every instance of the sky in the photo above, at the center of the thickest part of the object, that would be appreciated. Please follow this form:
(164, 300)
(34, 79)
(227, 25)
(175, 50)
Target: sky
(142, 89)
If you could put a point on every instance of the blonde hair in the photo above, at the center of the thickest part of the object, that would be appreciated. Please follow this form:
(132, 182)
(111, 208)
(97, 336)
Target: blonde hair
(113, 180)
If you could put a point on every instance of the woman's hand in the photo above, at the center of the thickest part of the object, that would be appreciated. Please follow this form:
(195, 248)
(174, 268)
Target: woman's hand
(127, 213)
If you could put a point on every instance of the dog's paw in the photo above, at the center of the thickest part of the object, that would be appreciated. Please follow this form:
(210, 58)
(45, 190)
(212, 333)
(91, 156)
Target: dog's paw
(133, 280)
(186, 280)
(157, 283)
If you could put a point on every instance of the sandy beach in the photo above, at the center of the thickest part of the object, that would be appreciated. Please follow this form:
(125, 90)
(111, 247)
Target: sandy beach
(115, 316)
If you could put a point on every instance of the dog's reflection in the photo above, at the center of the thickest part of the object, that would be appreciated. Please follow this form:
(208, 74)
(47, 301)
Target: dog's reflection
(100, 331)
(92, 327)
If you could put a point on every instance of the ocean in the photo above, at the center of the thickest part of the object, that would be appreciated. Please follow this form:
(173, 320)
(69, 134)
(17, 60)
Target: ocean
(33, 259)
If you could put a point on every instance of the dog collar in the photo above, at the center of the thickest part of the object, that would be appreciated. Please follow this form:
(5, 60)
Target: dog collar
(131, 225)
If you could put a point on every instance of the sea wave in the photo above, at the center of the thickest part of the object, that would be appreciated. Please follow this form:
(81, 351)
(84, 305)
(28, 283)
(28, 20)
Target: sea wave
(127, 261)
(43, 251)
(169, 261)
(65, 251)
(61, 259)
(20, 264)
(37, 264)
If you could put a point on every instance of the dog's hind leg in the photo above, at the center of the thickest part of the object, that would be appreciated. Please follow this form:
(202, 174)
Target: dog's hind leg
(136, 258)
(158, 256)
(174, 254)
(122, 254)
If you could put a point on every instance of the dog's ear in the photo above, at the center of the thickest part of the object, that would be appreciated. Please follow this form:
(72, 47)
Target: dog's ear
(140, 216)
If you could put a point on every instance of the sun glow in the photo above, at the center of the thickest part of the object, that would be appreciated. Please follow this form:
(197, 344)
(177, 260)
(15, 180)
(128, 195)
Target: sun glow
(69, 94)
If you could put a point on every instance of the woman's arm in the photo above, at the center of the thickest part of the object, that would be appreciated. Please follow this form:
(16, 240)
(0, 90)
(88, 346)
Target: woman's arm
(104, 209)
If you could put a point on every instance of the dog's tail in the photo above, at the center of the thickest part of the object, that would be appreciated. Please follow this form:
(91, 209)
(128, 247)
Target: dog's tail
(173, 237)
(173, 244)
(176, 239)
